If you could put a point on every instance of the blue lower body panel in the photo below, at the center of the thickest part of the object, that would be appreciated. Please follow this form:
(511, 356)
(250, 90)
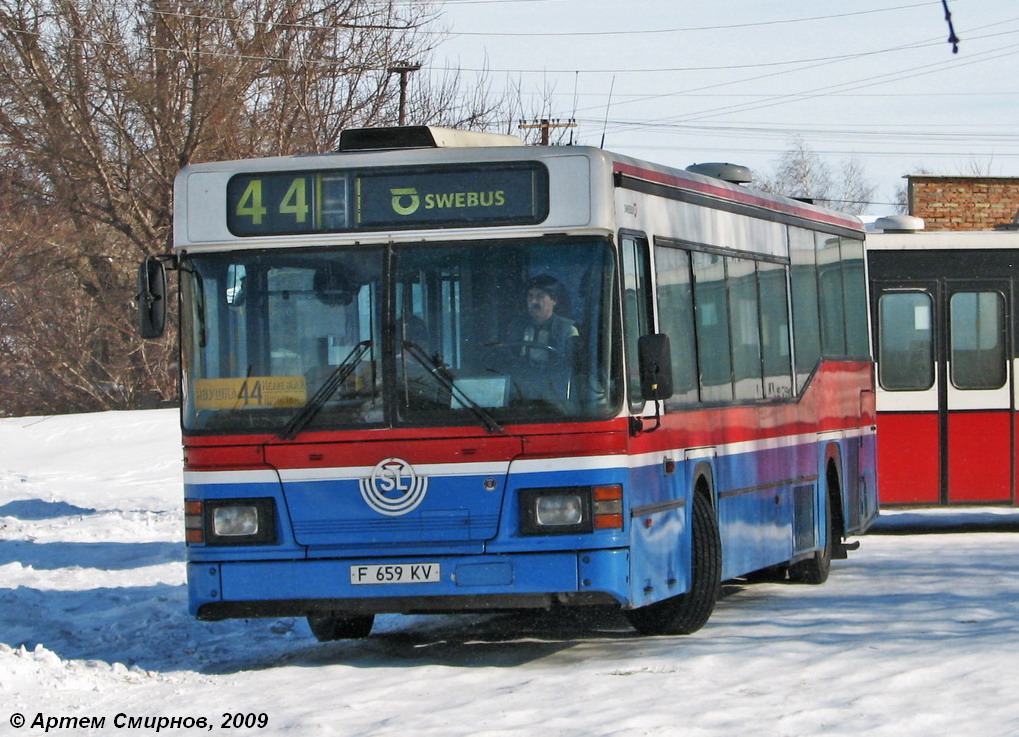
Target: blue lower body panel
(295, 587)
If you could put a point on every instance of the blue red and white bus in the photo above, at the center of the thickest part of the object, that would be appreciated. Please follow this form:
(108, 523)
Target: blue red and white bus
(377, 418)
(944, 322)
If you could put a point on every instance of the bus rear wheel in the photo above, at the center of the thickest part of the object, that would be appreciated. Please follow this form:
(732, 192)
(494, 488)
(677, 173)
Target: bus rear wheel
(687, 613)
(814, 570)
(330, 626)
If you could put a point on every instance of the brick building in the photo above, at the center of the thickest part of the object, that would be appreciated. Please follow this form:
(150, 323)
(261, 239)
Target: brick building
(964, 203)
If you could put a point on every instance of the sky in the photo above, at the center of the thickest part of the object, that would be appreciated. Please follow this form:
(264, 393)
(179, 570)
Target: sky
(679, 82)
(912, 636)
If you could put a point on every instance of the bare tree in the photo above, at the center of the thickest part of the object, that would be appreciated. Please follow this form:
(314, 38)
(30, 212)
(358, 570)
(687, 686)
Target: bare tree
(102, 102)
(801, 172)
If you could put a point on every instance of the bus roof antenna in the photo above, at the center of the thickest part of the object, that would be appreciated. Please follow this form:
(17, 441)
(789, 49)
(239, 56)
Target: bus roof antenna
(607, 106)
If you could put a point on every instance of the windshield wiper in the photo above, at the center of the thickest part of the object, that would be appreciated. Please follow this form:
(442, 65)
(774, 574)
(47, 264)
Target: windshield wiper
(336, 377)
(435, 369)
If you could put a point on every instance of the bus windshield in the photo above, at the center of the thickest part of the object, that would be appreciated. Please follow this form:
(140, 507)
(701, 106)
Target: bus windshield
(286, 340)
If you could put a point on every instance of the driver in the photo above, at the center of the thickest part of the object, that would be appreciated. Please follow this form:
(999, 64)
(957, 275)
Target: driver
(543, 326)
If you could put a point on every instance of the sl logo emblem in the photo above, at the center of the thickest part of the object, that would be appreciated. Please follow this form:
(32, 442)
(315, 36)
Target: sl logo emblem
(405, 200)
(393, 487)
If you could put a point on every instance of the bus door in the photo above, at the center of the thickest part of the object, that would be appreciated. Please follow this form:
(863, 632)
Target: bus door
(977, 406)
(945, 431)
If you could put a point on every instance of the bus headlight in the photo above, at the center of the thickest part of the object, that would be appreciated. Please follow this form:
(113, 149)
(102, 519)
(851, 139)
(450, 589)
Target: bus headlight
(559, 509)
(555, 511)
(237, 521)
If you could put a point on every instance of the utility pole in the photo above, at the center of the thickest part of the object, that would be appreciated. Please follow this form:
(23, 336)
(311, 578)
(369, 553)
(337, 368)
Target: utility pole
(403, 69)
(545, 124)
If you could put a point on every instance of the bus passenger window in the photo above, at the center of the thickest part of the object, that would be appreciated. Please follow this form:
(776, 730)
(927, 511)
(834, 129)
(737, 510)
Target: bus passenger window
(906, 352)
(676, 319)
(775, 353)
(829, 281)
(744, 311)
(712, 312)
(978, 340)
(854, 282)
(803, 279)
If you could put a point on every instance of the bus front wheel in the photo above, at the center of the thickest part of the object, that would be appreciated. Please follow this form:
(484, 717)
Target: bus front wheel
(687, 613)
(330, 626)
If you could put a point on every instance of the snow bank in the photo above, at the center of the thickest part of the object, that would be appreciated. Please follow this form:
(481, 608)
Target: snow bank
(912, 636)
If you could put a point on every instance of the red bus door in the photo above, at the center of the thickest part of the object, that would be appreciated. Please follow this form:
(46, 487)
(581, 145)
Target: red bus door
(908, 387)
(944, 400)
(978, 398)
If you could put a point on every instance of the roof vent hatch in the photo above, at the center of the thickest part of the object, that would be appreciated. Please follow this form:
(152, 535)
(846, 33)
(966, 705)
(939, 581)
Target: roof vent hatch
(732, 173)
(899, 224)
(419, 136)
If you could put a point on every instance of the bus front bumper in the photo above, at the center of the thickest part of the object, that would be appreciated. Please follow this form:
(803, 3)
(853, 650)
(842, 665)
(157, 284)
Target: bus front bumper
(294, 588)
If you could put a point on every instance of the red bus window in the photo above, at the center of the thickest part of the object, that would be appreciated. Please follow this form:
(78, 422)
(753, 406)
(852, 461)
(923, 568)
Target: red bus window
(906, 355)
(978, 340)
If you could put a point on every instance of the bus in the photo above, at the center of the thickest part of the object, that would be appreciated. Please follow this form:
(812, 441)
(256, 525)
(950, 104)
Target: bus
(944, 322)
(439, 371)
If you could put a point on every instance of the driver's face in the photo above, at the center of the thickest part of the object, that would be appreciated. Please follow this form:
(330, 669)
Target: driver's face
(540, 305)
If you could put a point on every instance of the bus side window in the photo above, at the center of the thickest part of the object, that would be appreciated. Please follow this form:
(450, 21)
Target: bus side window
(636, 309)
(854, 283)
(712, 310)
(775, 353)
(978, 340)
(906, 352)
(676, 319)
(806, 328)
(829, 283)
(744, 312)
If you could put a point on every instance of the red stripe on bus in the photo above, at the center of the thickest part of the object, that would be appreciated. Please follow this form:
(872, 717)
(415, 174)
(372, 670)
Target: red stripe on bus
(816, 411)
(742, 197)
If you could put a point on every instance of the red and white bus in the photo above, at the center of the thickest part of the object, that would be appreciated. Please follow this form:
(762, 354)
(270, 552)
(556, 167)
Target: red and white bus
(446, 372)
(944, 320)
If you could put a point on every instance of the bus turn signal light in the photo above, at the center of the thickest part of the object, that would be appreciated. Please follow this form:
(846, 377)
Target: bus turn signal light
(608, 507)
(194, 526)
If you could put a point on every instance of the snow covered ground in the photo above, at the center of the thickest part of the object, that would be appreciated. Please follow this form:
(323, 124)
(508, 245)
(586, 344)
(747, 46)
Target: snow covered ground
(913, 635)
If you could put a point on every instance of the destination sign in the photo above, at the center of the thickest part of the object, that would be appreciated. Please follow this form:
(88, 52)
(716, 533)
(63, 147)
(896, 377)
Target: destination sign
(305, 202)
(452, 197)
(250, 391)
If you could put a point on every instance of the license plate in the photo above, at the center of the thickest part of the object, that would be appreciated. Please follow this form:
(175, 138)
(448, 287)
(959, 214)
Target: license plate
(395, 573)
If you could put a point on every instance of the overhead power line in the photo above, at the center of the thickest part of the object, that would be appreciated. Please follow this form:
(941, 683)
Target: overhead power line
(874, 132)
(911, 73)
(769, 95)
(916, 45)
(803, 95)
(855, 152)
(687, 29)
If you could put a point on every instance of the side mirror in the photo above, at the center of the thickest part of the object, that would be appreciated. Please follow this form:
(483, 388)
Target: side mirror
(151, 298)
(654, 354)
